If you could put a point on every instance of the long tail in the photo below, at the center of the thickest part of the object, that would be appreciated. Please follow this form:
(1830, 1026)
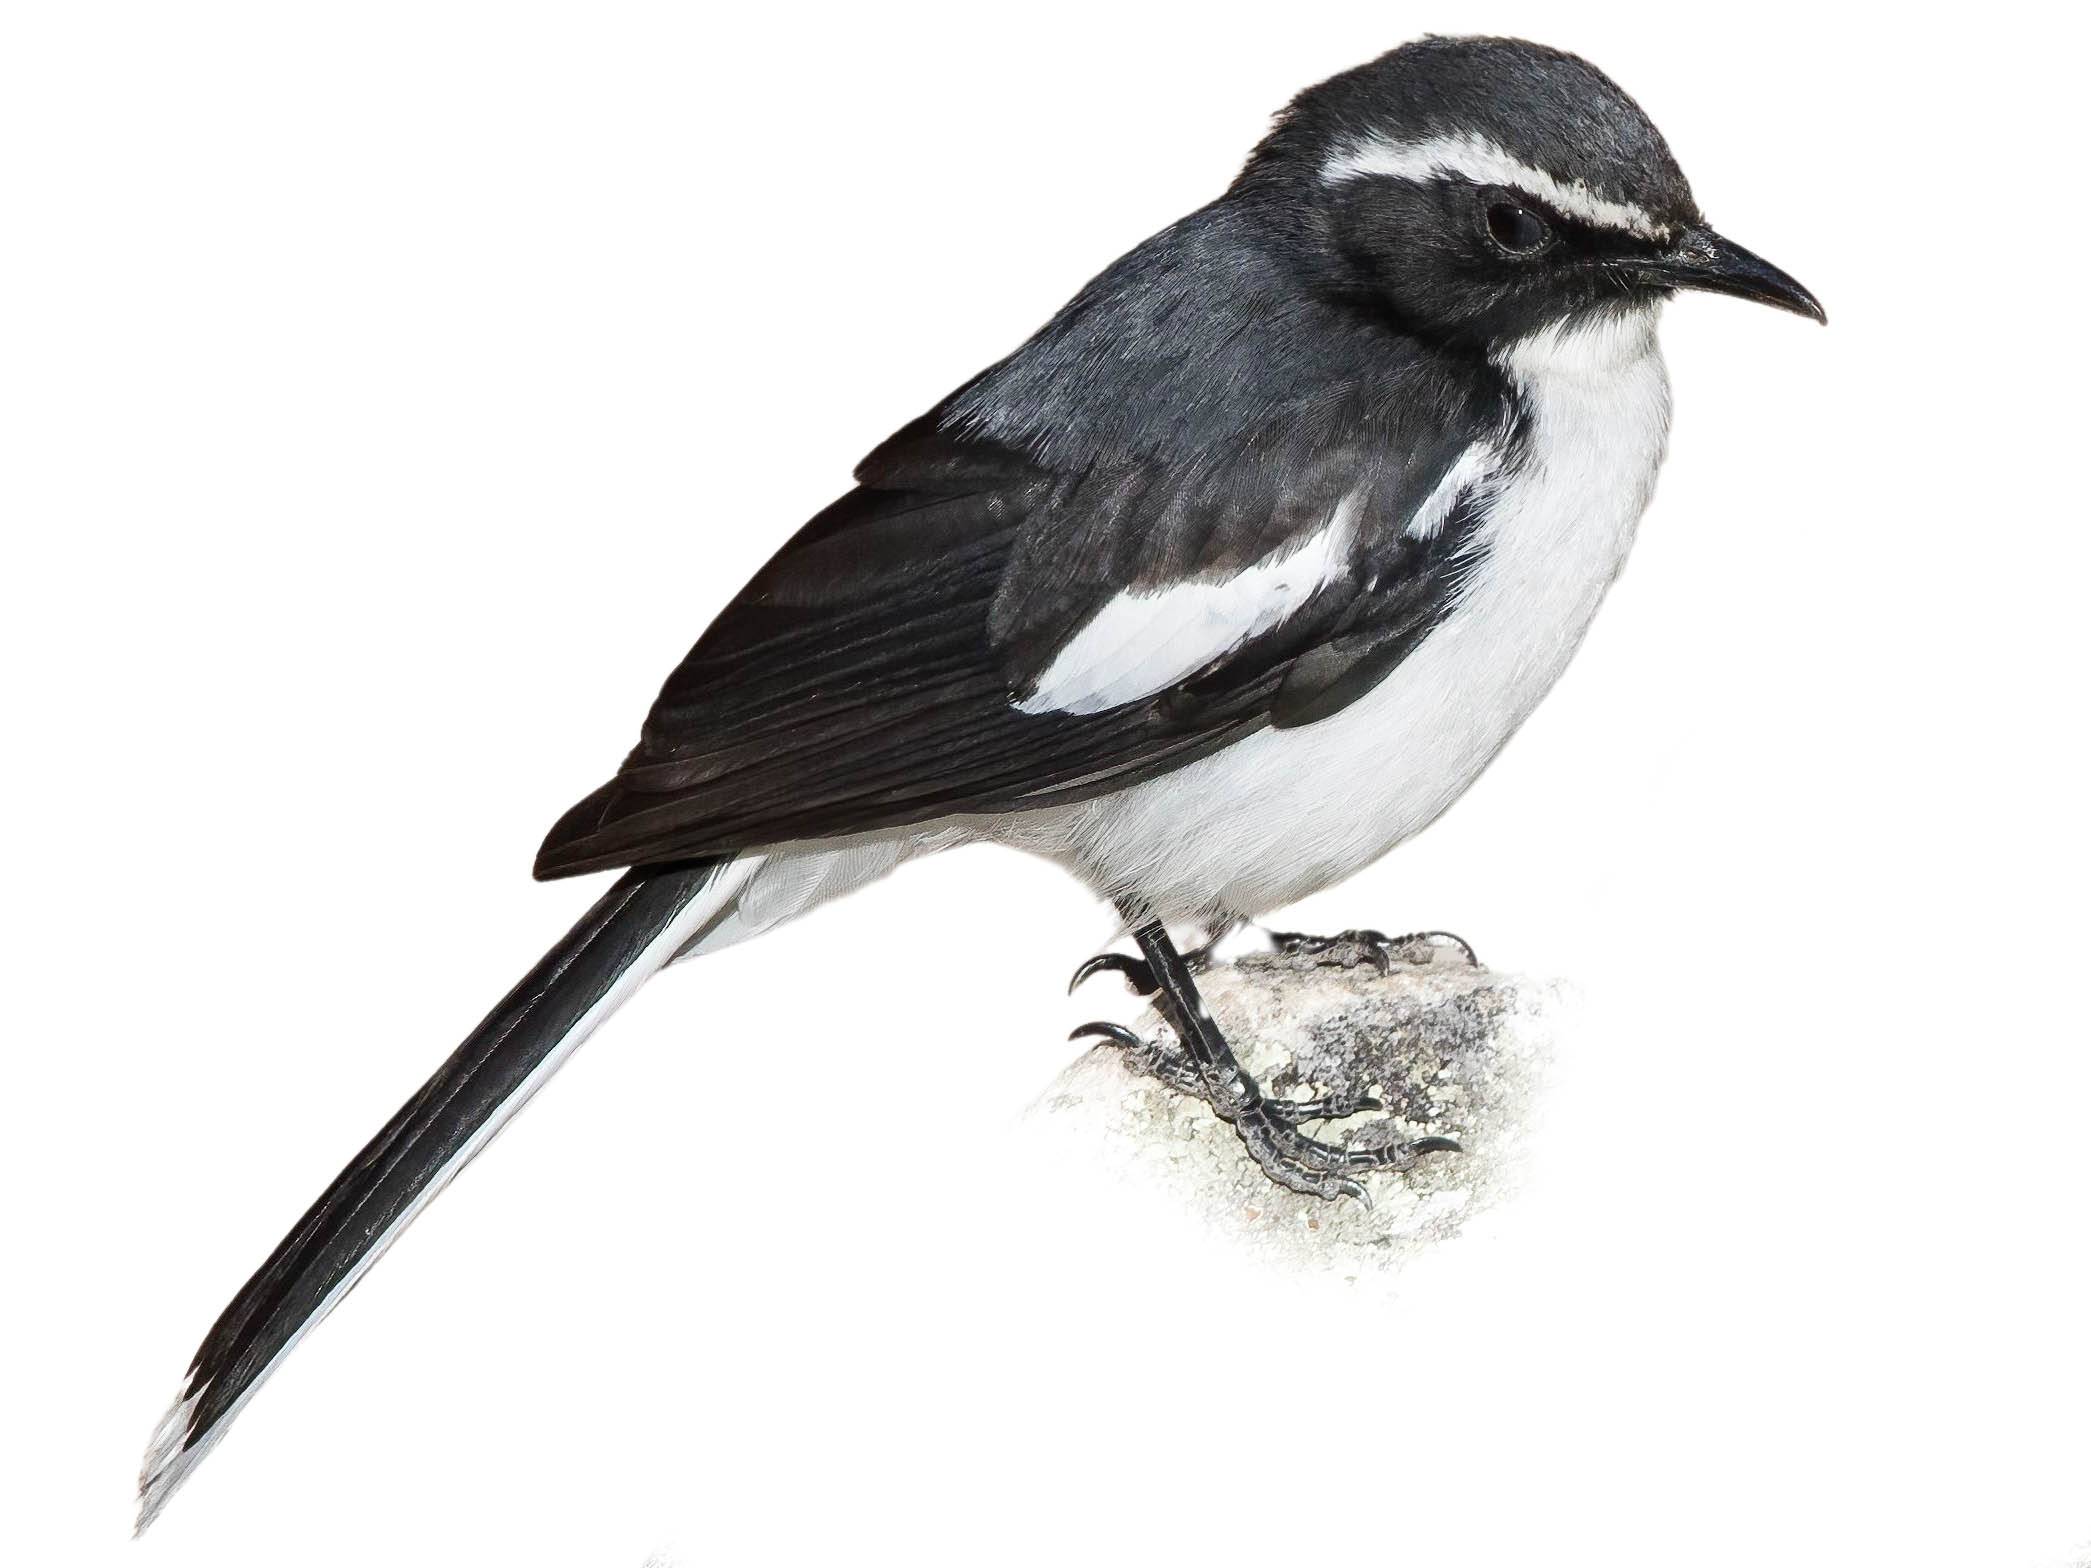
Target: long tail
(637, 927)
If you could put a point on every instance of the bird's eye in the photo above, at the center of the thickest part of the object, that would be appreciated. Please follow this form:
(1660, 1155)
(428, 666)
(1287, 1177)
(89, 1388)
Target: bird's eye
(1519, 230)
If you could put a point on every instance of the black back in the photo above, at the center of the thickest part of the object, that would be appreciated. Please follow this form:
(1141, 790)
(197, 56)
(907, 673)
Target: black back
(1204, 404)
(1188, 413)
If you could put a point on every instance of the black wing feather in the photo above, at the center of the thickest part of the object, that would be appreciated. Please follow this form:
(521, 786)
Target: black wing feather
(865, 679)
(1187, 415)
(855, 716)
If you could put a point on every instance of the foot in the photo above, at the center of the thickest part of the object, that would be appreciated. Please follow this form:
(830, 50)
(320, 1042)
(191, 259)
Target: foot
(1270, 1130)
(1206, 1067)
(1327, 1170)
(1269, 1127)
(1147, 1057)
(1379, 948)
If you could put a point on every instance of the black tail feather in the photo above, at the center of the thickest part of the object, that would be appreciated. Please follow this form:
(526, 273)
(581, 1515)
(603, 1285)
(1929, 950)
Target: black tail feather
(431, 1138)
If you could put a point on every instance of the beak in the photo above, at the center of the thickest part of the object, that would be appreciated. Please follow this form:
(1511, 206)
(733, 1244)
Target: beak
(1701, 259)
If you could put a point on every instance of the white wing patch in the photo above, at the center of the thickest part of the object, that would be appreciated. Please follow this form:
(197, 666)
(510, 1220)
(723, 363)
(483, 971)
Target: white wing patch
(1478, 159)
(1146, 640)
(1469, 469)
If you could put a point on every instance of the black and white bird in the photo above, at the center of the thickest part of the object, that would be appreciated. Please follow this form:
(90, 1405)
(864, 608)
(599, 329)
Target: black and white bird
(1229, 580)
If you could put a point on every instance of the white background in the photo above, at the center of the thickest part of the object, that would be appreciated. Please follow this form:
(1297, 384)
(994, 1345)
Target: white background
(391, 393)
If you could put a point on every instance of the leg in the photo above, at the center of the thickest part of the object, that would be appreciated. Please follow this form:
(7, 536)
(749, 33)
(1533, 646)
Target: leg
(1141, 979)
(1268, 1128)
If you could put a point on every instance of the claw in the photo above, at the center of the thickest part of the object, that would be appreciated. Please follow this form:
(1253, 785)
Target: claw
(1435, 1145)
(1137, 975)
(1460, 942)
(1117, 1034)
(1144, 1056)
(1465, 947)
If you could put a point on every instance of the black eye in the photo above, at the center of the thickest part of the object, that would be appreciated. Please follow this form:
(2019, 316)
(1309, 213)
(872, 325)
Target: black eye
(1518, 230)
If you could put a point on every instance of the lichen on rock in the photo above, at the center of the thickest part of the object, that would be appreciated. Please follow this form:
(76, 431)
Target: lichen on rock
(1448, 1047)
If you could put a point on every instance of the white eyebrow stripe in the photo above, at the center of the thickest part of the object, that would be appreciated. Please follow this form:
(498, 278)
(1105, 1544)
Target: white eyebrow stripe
(1467, 470)
(1478, 159)
(1144, 641)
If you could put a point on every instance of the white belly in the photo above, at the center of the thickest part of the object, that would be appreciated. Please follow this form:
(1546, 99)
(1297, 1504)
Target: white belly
(1285, 813)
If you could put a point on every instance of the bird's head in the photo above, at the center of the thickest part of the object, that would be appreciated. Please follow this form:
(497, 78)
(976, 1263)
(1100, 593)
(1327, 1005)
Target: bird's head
(1484, 189)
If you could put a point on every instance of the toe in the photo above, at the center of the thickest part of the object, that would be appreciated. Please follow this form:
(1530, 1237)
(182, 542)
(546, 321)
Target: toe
(1137, 974)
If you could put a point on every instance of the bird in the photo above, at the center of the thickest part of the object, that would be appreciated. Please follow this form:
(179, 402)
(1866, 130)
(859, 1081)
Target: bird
(1230, 579)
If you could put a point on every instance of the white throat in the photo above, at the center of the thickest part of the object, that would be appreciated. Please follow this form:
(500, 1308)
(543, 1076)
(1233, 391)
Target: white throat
(1595, 348)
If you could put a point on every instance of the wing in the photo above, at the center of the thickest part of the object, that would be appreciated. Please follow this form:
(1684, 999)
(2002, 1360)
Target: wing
(969, 631)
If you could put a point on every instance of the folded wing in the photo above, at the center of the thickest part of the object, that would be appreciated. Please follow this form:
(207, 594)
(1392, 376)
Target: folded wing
(968, 632)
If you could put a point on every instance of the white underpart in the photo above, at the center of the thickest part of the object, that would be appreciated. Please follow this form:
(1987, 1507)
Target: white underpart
(1469, 469)
(1147, 639)
(1284, 813)
(167, 1463)
(1476, 158)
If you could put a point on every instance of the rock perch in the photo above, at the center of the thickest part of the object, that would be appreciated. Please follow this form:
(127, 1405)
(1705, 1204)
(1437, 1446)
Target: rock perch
(1448, 1048)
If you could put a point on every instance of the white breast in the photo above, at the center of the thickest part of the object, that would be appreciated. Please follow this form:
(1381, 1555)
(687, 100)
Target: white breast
(1286, 812)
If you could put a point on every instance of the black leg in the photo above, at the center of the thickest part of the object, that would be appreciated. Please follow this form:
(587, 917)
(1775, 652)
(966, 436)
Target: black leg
(1268, 1129)
(1138, 977)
